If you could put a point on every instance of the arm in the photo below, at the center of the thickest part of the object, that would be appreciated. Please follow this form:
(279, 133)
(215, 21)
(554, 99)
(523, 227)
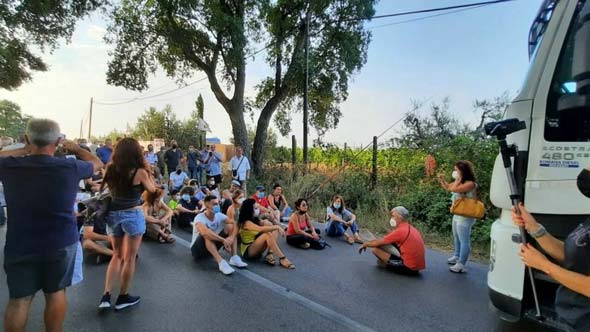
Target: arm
(552, 246)
(262, 229)
(272, 204)
(146, 180)
(83, 154)
(148, 217)
(458, 187)
(15, 153)
(577, 282)
(169, 212)
(183, 209)
(89, 234)
(333, 216)
(296, 227)
(207, 233)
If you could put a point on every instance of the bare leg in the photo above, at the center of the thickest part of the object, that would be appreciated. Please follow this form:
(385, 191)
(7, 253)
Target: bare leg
(212, 249)
(132, 244)
(381, 254)
(17, 313)
(115, 264)
(55, 311)
(96, 248)
(234, 246)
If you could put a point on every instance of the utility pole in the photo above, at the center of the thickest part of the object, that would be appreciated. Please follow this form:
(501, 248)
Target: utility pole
(305, 95)
(90, 120)
(81, 125)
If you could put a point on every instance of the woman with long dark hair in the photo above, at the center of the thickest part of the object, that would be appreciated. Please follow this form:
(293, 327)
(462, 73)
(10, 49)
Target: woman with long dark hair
(127, 177)
(257, 236)
(300, 232)
(463, 186)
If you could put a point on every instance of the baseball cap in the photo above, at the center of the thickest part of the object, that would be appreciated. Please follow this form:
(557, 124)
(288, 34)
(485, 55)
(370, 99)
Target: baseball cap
(236, 183)
(259, 187)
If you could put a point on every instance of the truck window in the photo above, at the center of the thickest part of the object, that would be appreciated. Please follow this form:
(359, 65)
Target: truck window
(567, 116)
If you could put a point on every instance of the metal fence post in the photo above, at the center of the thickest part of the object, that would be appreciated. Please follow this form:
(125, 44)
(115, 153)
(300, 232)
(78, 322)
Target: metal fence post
(374, 174)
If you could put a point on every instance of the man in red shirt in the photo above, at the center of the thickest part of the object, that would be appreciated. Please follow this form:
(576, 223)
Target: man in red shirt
(402, 250)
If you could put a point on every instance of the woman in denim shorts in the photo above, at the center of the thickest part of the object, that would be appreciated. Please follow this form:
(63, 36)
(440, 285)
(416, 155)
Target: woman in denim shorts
(127, 176)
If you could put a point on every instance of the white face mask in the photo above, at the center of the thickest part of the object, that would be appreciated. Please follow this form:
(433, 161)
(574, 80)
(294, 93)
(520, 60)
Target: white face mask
(392, 222)
(256, 212)
(455, 175)
(241, 200)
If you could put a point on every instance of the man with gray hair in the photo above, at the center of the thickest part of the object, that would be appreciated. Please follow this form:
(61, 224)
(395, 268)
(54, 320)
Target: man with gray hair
(402, 250)
(42, 237)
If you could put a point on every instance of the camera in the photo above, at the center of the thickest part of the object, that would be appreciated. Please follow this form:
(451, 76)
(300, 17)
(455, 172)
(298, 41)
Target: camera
(503, 128)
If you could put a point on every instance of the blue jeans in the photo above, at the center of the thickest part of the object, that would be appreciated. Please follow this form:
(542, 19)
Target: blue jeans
(126, 222)
(462, 237)
(193, 173)
(336, 229)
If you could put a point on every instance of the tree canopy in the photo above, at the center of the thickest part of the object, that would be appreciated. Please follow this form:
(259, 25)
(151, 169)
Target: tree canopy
(12, 122)
(219, 37)
(24, 23)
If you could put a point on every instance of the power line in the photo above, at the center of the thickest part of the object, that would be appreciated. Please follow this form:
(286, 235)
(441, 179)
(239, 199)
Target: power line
(421, 11)
(425, 17)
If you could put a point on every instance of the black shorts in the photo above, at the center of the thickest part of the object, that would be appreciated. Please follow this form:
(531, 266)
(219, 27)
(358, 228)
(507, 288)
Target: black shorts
(396, 264)
(199, 250)
(50, 272)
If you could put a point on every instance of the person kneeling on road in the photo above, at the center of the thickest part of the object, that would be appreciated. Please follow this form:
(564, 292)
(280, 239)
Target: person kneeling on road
(212, 230)
(402, 250)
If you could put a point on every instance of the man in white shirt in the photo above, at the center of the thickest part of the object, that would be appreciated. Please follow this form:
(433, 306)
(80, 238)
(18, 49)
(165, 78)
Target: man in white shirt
(177, 179)
(240, 167)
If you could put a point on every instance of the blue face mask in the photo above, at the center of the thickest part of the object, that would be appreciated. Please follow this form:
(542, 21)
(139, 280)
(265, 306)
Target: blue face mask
(216, 209)
(186, 197)
(261, 195)
(337, 205)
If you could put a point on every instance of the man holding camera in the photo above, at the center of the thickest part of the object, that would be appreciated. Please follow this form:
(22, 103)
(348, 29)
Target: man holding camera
(240, 167)
(213, 161)
(42, 239)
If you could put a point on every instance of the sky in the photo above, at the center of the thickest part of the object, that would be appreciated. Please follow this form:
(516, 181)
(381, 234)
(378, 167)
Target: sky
(468, 55)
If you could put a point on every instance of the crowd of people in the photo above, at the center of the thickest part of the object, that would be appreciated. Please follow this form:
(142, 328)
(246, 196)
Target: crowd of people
(104, 200)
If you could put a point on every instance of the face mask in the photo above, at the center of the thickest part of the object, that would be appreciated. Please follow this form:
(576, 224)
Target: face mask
(584, 182)
(392, 222)
(179, 171)
(177, 198)
(261, 195)
(455, 175)
(186, 197)
(211, 183)
(174, 146)
(302, 212)
(337, 205)
(216, 209)
(151, 149)
(241, 200)
(256, 212)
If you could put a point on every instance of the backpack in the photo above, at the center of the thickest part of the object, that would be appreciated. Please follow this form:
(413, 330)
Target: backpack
(320, 244)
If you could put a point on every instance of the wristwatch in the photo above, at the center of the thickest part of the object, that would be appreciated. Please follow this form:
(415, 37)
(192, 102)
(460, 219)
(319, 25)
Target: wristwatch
(540, 232)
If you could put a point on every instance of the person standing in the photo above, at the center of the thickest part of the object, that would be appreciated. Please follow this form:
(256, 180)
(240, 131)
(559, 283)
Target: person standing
(161, 161)
(127, 176)
(151, 156)
(193, 162)
(213, 161)
(240, 168)
(172, 156)
(42, 238)
(105, 151)
(463, 186)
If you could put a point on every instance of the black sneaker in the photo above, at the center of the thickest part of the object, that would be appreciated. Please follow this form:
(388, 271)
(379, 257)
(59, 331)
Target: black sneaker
(126, 300)
(105, 302)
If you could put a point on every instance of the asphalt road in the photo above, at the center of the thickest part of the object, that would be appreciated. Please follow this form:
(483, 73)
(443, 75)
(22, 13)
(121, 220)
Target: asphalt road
(332, 290)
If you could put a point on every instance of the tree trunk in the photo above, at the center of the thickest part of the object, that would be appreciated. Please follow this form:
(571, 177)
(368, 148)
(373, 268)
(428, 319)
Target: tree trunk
(260, 141)
(238, 124)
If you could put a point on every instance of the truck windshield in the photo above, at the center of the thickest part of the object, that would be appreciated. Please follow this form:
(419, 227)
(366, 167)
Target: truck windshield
(540, 25)
(568, 105)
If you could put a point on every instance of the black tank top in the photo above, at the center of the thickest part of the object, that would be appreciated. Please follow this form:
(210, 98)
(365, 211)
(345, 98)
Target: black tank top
(129, 198)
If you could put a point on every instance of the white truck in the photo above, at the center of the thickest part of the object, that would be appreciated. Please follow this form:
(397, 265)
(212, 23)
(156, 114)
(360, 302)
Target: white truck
(555, 146)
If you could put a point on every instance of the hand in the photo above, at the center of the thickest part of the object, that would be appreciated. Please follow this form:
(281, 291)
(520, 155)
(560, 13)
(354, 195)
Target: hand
(280, 230)
(532, 257)
(525, 219)
(362, 248)
(71, 146)
(227, 242)
(315, 236)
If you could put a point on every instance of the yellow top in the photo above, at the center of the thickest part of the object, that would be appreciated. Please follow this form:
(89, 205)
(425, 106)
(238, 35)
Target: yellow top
(247, 237)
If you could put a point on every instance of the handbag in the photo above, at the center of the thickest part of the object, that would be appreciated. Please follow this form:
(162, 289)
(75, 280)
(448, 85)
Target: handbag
(468, 208)
(234, 172)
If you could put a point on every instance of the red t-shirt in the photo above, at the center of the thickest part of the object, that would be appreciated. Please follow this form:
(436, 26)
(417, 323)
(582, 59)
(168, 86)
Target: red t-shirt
(261, 201)
(410, 244)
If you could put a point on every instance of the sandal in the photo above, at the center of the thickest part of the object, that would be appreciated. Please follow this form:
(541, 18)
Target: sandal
(161, 239)
(358, 240)
(350, 240)
(170, 239)
(270, 259)
(305, 245)
(289, 265)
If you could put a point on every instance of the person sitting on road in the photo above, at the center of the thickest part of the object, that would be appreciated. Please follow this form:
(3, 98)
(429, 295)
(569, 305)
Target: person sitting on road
(94, 238)
(278, 203)
(340, 219)
(177, 179)
(402, 250)
(158, 217)
(237, 198)
(265, 211)
(258, 236)
(173, 204)
(235, 185)
(300, 232)
(188, 208)
(213, 230)
(213, 188)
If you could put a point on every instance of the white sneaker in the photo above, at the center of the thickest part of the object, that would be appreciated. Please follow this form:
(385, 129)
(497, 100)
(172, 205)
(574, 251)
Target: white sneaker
(225, 268)
(453, 260)
(458, 268)
(236, 261)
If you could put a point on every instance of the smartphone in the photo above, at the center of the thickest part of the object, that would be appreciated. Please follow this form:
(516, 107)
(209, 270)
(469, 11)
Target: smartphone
(71, 156)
